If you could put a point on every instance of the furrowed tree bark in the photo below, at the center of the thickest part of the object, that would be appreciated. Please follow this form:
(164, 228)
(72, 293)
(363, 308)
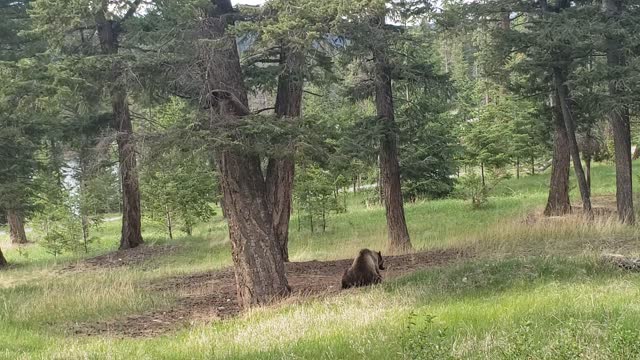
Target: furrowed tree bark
(398, 234)
(85, 232)
(559, 79)
(131, 215)
(131, 235)
(258, 263)
(558, 202)
(82, 171)
(587, 170)
(619, 119)
(3, 261)
(16, 227)
(169, 224)
(280, 172)
(221, 201)
(505, 22)
(380, 181)
(533, 166)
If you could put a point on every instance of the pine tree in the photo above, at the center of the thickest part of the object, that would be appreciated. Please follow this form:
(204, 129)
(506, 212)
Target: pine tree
(109, 22)
(23, 101)
(619, 115)
(258, 262)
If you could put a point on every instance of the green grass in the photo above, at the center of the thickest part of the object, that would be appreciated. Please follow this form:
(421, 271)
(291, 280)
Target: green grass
(533, 291)
(432, 224)
(541, 307)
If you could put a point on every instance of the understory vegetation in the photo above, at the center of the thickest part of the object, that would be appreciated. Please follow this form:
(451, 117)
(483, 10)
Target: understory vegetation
(533, 288)
(192, 179)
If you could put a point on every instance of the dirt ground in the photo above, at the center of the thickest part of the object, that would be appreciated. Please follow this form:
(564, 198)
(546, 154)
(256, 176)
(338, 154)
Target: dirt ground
(211, 296)
(136, 256)
(603, 206)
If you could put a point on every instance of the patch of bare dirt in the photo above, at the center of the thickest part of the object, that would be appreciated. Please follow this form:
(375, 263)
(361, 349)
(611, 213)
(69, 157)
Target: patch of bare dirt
(211, 296)
(603, 206)
(119, 258)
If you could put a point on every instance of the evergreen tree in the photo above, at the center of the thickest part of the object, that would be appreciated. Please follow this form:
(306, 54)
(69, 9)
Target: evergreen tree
(284, 35)
(178, 182)
(620, 24)
(26, 104)
(60, 23)
(244, 191)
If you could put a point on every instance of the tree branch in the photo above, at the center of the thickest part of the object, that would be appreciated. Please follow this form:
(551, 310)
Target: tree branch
(133, 47)
(83, 28)
(262, 60)
(263, 110)
(241, 109)
(132, 10)
(312, 93)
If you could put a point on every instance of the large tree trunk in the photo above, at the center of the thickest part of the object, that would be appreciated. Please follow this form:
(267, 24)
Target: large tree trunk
(131, 216)
(221, 201)
(533, 166)
(280, 172)
(587, 169)
(84, 220)
(16, 227)
(258, 263)
(169, 223)
(505, 22)
(587, 154)
(3, 261)
(559, 78)
(380, 183)
(619, 118)
(558, 202)
(83, 173)
(131, 235)
(389, 166)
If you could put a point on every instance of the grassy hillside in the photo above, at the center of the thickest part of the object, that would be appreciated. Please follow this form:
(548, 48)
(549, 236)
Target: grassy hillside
(533, 289)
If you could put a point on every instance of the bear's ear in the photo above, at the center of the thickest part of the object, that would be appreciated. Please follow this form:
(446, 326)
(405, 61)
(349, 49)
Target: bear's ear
(379, 253)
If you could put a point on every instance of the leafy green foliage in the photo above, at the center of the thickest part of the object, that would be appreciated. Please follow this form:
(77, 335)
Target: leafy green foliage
(177, 180)
(427, 137)
(179, 188)
(316, 193)
(27, 104)
(63, 234)
(426, 340)
(472, 188)
(477, 187)
(58, 223)
(99, 194)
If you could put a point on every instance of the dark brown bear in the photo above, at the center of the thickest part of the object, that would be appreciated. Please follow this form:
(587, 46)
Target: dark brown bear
(365, 270)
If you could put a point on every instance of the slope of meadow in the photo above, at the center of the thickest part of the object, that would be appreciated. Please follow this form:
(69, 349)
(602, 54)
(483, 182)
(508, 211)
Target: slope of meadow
(530, 287)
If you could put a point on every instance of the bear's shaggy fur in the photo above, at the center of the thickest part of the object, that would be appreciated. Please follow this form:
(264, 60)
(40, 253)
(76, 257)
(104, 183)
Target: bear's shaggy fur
(365, 270)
